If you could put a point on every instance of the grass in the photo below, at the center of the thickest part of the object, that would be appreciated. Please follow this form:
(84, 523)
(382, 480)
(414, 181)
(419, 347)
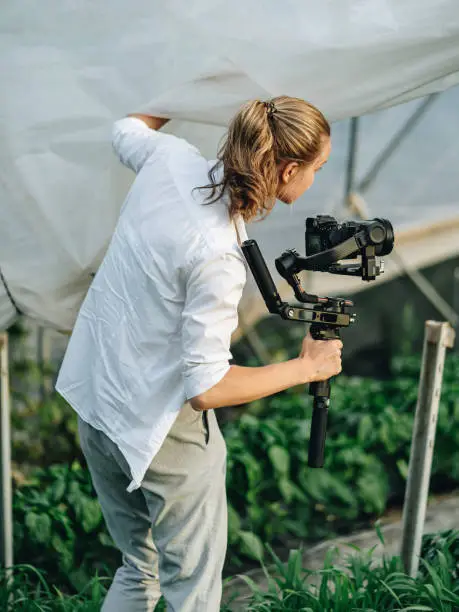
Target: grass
(26, 590)
(357, 583)
(348, 583)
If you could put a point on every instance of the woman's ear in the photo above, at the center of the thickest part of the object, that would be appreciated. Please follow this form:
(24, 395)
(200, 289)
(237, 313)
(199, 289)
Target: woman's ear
(288, 172)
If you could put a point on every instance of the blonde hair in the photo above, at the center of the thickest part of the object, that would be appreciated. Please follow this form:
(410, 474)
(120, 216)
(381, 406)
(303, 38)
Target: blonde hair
(261, 135)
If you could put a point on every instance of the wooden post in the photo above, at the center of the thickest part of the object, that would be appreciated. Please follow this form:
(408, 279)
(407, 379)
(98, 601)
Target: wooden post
(6, 500)
(437, 337)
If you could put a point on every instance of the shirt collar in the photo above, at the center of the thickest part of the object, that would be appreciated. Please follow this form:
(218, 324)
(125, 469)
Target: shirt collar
(240, 228)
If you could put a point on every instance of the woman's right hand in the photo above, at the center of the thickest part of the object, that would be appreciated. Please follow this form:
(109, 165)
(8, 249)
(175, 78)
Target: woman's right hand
(320, 359)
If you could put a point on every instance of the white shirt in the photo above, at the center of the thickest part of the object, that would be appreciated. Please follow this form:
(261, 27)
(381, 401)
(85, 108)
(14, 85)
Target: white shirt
(155, 327)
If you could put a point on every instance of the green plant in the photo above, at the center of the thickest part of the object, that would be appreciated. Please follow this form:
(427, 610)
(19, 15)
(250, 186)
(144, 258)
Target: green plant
(58, 524)
(441, 545)
(26, 590)
(50, 415)
(354, 582)
(357, 582)
(37, 407)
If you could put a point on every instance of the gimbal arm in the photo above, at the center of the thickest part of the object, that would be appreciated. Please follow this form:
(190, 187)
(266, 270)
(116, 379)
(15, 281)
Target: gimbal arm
(290, 263)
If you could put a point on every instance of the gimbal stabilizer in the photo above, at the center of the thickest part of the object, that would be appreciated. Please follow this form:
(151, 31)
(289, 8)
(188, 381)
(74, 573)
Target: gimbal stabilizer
(327, 242)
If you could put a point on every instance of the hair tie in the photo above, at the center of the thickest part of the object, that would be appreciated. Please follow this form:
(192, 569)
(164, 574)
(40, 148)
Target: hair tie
(270, 108)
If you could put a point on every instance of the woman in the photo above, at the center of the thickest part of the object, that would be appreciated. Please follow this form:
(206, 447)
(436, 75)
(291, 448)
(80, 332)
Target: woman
(148, 360)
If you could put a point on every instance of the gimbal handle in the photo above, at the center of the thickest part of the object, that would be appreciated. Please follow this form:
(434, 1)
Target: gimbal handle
(321, 392)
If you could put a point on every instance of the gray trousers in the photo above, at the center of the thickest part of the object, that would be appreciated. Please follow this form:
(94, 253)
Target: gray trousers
(172, 532)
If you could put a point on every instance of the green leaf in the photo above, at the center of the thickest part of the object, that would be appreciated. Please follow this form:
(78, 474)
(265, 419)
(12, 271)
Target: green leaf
(379, 532)
(65, 551)
(324, 488)
(57, 490)
(39, 526)
(251, 545)
(249, 420)
(234, 524)
(251, 583)
(417, 608)
(366, 429)
(253, 470)
(79, 578)
(280, 459)
(90, 514)
(287, 490)
(403, 468)
(373, 489)
(257, 516)
(106, 540)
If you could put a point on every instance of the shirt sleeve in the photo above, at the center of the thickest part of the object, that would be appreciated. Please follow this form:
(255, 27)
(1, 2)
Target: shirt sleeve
(213, 293)
(134, 142)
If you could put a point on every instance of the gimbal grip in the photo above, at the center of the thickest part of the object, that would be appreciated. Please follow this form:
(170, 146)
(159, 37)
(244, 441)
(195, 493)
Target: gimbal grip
(262, 275)
(318, 432)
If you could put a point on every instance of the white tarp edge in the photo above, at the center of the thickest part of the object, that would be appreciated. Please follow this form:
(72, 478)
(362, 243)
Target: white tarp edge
(70, 69)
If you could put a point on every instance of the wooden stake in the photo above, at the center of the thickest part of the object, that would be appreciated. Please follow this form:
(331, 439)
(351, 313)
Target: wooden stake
(438, 337)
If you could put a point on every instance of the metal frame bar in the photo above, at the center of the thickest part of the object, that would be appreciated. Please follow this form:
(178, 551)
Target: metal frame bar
(428, 290)
(352, 156)
(6, 497)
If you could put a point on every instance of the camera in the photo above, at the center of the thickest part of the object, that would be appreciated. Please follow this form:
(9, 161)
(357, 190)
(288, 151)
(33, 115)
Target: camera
(324, 232)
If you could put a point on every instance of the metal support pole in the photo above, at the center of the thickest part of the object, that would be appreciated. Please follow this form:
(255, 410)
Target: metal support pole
(437, 337)
(40, 363)
(6, 498)
(351, 158)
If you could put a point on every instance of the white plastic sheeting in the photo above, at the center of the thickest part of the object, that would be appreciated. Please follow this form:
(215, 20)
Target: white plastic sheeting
(70, 69)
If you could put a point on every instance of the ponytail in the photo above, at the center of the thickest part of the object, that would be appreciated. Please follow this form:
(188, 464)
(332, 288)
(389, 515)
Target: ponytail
(261, 135)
